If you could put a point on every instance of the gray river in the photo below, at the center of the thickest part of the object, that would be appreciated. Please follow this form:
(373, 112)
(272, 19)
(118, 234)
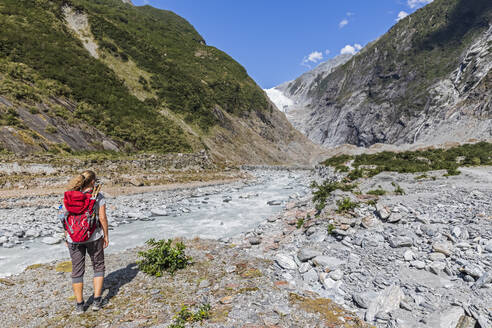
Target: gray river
(211, 212)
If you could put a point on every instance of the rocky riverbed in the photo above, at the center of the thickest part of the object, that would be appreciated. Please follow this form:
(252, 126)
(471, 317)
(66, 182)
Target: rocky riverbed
(421, 259)
(418, 259)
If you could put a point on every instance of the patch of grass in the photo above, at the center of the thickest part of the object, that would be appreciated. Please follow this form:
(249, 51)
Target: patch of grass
(6, 282)
(345, 205)
(51, 129)
(422, 176)
(321, 192)
(330, 312)
(37, 266)
(330, 228)
(163, 256)
(372, 202)
(185, 315)
(355, 174)
(341, 168)
(452, 171)
(300, 223)
(251, 273)
(377, 192)
(398, 189)
(64, 267)
(337, 160)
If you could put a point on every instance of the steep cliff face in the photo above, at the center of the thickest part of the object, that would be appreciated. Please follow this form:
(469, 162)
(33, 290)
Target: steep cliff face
(106, 75)
(426, 81)
(294, 98)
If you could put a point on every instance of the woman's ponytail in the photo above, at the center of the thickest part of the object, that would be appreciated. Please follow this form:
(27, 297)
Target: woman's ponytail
(81, 181)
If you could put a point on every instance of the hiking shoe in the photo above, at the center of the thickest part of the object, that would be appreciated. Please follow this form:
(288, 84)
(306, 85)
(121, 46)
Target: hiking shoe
(79, 308)
(97, 304)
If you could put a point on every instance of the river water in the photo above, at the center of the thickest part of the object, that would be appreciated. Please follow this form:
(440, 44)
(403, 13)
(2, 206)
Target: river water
(209, 216)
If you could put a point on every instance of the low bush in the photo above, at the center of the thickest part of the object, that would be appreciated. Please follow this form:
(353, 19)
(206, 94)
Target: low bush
(185, 316)
(345, 205)
(377, 192)
(321, 192)
(398, 190)
(163, 257)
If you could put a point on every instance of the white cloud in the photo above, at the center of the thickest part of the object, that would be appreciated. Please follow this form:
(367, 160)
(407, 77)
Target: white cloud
(343, 23)
(417, 3)
(313, 57)
(349, 49)
(401, 15)
(327, 52)
(350, 14)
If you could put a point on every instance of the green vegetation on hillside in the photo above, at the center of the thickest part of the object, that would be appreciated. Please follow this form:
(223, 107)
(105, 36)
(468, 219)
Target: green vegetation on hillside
(41, 58)
(417, 161)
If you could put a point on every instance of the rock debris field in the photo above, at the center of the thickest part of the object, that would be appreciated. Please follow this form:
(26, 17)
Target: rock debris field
(419, 259)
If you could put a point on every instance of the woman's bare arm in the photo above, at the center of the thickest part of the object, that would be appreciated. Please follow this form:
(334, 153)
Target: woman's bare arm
(104, 223)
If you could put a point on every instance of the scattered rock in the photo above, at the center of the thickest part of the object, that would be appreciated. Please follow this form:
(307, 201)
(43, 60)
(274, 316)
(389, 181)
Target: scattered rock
(327, 262)
(159, 212)
(448, 318)
(397, 242)
(388, 300)
(254, 241)
(382, 211)
(51, 240)
(285, 262)
(442, 247)
(408, 255)
(306, 254)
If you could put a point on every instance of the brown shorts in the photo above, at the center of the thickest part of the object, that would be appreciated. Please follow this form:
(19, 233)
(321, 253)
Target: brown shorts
(77, 254)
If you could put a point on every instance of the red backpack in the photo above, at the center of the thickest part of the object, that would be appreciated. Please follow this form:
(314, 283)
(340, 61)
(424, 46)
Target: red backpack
(80, 217)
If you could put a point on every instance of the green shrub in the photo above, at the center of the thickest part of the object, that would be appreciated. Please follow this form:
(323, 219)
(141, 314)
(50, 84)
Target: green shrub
(337, 160)
(341, 168)
(355, 174)
(398, 190)
(422, 176)
(453, 171)
(377, 192)
(321, 192)
(185, 316)
(346, 205)
(163, 257)
(51, 129)
(300, 223)
(330, 228)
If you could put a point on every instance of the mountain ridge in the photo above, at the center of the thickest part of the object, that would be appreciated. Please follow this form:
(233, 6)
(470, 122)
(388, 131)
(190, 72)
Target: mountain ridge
(108, 76)
(423, 82)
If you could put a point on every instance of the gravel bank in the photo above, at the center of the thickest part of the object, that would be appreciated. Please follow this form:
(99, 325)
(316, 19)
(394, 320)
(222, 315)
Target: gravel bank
(422, 259)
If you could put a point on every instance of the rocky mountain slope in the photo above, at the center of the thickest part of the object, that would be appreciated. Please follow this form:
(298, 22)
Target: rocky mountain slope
(426, 81)
(106, 75)
(294, 97)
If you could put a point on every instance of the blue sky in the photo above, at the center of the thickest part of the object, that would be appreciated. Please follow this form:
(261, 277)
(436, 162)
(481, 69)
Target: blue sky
(277, 40)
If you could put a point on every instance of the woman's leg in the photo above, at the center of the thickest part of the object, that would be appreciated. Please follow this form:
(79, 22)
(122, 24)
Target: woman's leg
(96, 252)
(77, 254)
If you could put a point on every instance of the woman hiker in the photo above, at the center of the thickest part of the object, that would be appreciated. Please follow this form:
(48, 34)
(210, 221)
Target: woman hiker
(86, 230)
